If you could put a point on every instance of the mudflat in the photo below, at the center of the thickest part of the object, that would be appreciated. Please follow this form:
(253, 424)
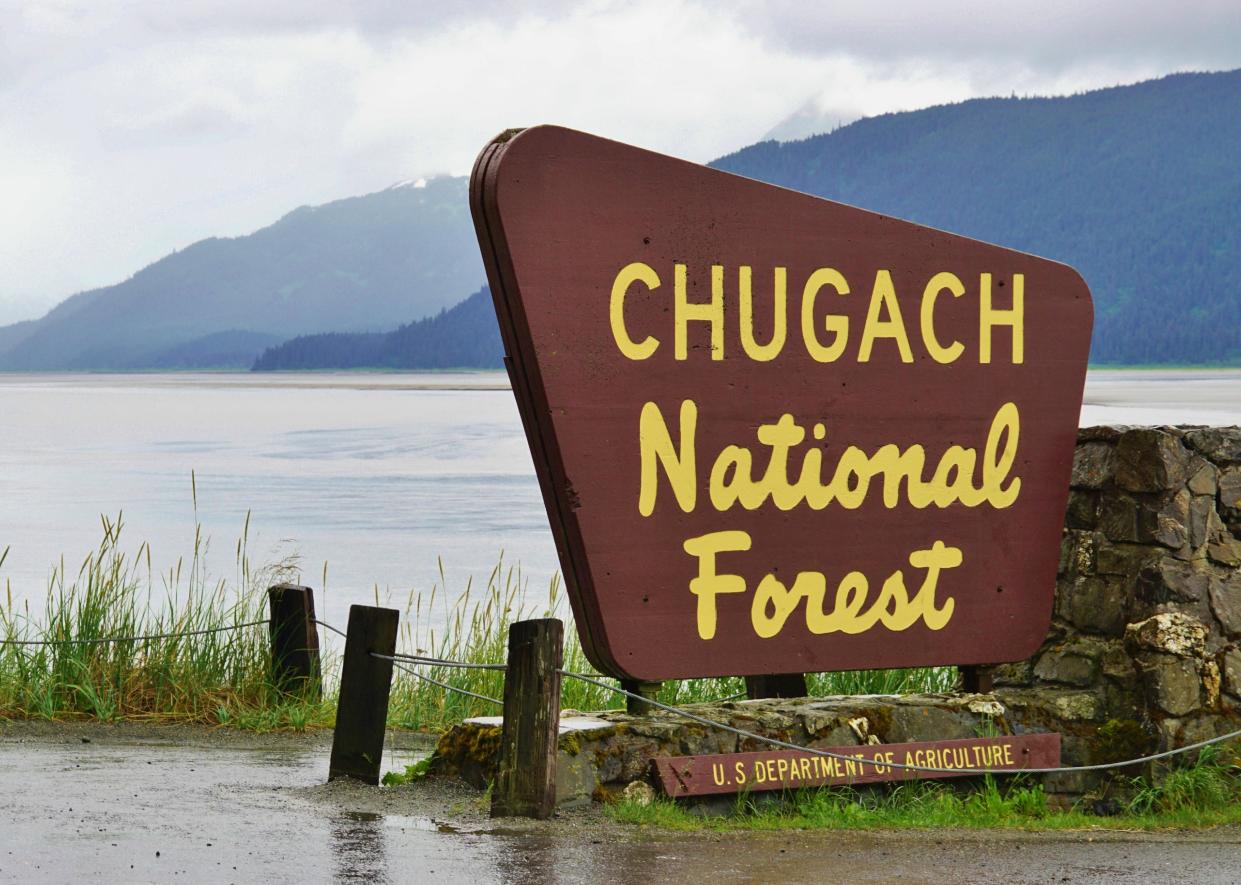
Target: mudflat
(144, 803)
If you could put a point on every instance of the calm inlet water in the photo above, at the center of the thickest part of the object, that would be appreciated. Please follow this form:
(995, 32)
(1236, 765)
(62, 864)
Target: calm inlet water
(378, 476)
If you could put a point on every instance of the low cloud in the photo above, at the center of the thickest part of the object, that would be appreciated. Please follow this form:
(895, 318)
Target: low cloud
(129, 130)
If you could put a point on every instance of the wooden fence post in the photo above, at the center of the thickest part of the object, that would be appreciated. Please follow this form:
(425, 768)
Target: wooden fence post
(977, 678)
(525, 783)
(650, 690)
(365, 682)
(295, 641)
(778, 685)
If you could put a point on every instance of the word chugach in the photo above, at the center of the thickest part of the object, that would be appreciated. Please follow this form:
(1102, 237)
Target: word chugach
(883, 315)
(959, 476)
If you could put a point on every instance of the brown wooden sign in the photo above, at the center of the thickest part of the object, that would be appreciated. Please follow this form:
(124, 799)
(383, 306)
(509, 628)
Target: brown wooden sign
(776, 433)
(790, 769)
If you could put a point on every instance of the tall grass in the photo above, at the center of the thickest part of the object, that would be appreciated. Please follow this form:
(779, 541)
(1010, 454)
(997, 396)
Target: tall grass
(198, 677)
(225, 677)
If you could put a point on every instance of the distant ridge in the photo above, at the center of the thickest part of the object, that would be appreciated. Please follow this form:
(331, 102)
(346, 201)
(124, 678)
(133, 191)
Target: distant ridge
(359, 264)
(463, 337)
(1138, 187)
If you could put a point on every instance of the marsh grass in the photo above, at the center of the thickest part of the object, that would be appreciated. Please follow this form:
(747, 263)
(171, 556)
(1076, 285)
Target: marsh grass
(224, 678)
(220, 676)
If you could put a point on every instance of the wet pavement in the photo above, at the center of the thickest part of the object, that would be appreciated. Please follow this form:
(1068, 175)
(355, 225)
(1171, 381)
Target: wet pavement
(135, 804)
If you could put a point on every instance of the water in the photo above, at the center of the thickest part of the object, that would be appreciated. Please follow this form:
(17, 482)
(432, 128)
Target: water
(378, 476)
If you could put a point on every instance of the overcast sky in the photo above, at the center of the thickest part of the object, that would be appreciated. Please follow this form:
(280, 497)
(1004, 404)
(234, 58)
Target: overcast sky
(129, 128)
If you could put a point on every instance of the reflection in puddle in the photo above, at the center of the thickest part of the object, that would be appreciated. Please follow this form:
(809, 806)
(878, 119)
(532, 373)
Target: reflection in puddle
(359, 847)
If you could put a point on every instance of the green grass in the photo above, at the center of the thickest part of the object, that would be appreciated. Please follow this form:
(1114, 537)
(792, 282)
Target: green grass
(225, 678)
(1207, 793)
(214, 677)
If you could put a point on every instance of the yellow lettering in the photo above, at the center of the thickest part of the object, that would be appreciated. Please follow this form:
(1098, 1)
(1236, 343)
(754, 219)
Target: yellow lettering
(781, 437)
(763, 353)
(990, 317)
(637, 272)
(939, 283)
(772, 594)
(655, 446)
(995, 466)
(884, 296)
(935, 560)
(709, 584)
(836, 325)
(683, 312)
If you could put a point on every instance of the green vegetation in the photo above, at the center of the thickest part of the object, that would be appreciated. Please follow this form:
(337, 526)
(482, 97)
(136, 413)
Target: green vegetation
(465, 336)
(224, 677)
(1207, 793)
(415, 772)
(219, 676)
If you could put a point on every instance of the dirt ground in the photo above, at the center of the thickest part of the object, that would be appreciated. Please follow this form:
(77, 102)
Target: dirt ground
(137, 803)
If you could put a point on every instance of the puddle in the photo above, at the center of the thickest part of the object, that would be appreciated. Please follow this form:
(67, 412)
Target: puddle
(124, 810)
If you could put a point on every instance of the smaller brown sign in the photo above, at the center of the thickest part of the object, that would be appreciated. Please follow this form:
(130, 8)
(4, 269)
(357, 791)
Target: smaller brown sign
(794, 769)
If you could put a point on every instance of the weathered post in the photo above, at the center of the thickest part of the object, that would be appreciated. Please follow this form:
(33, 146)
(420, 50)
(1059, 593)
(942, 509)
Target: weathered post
(977, 678)
(294, 641)
(649, 690)
(777, 685)
(365, 682)
(525, 783)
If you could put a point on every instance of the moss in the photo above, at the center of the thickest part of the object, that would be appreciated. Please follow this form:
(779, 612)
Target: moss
(879, 719)
(571, 743)
(1119, 739)
(608, 794)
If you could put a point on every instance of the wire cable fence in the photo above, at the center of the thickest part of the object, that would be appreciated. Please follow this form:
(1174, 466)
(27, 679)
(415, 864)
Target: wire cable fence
(341, 633)
(400, 661)
(103, 640)
(787, 745)
(446, 686)
(438, 662)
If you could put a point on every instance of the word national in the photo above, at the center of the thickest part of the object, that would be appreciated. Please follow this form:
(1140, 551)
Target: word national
(959, 476)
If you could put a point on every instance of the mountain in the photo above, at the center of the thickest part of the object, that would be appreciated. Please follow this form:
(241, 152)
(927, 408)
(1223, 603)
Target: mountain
(1138, 187)
(808, 120)
(465, 336)
(365, 263)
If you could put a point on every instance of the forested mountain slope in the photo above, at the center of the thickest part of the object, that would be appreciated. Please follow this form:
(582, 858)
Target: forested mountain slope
(1138, 187)
(359, 264)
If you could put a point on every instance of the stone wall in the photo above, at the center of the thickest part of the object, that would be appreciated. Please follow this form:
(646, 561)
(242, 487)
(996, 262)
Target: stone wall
(1144, 650)
(1147, 622)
